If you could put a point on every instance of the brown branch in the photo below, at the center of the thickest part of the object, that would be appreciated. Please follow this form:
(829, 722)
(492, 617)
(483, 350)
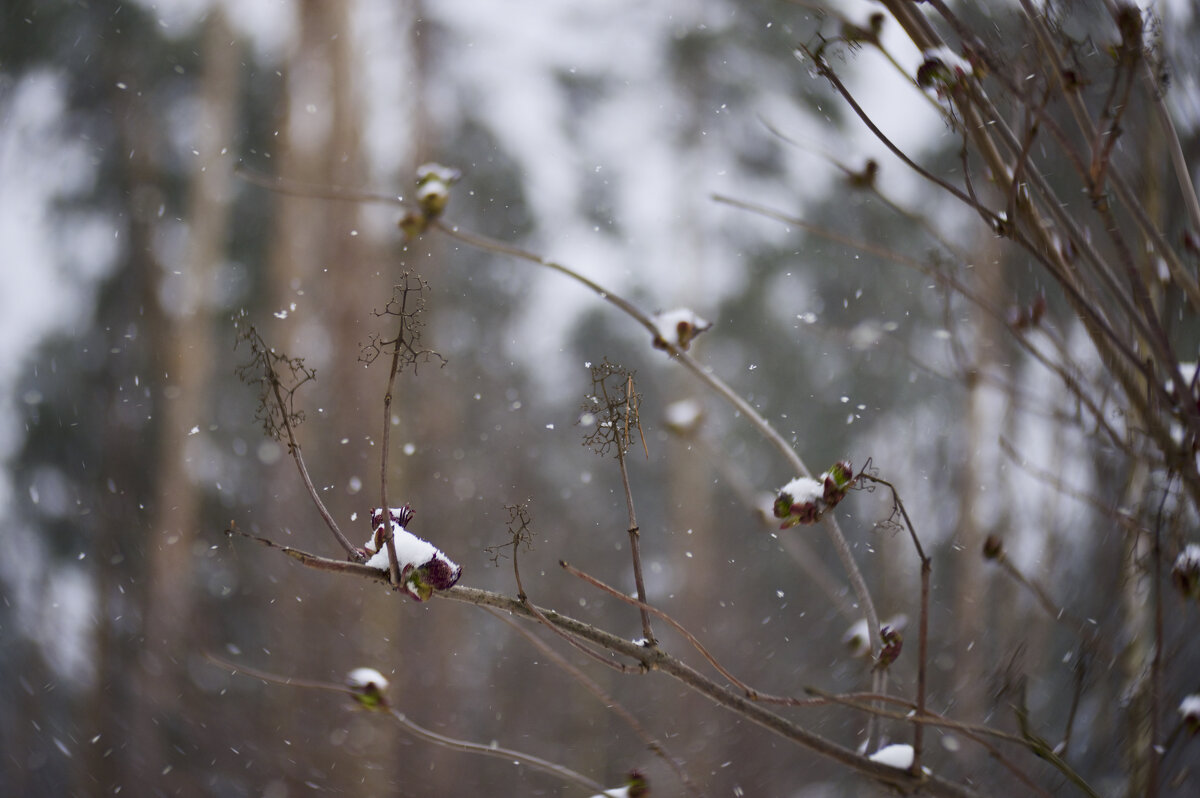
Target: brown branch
(529, 760)
(973, 732)
(623, 439)
(607, 700)
(596, 583)
(705, 375)
(535, 762)
(297, 188)
(314, 561)
(657, 660)
(923, 631)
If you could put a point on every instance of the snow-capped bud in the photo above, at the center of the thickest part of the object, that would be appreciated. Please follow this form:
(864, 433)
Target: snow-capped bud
(1191, 242)
(424, 567)
(857, 639)
(836, 481)
(368, 686)
(635, 787)
(433, 197)
(1037, 310)
(866, 177)
(798, 502)
(803, 500)
(868, 34)
(1186, 572)
(893, 643)
(684, 416)
(899, 756)
(942, 69)
(436, 171)
(677, 328)
(1189, 711)
(1130, 24)
(433, 187)
(412, 224)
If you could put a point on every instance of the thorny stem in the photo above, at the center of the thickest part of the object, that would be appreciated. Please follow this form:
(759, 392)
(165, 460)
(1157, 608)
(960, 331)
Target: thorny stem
(655, 659)
(608, 701)
(723, 390)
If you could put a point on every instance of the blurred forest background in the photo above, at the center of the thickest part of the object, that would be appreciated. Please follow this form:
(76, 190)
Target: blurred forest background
(595, 134)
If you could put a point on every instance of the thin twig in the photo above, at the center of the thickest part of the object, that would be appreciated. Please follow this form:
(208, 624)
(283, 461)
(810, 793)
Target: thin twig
(607, 700)
(716, 384)
(261, 369)
(314, 560)
(596, 583)
(972, 732)
(297, 188)
(634, 530)
(535, 762)
(1070, 380)
(923, 631)
(1154, 749)
(657, 660)
(573, 641)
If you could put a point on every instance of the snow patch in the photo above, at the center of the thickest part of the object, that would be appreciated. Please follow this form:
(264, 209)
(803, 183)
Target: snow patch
(899, 756)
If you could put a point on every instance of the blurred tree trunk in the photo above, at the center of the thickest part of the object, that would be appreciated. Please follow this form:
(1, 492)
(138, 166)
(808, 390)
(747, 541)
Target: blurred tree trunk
(1137, 662)
(329, 269)
(185, 341)
(983, 493)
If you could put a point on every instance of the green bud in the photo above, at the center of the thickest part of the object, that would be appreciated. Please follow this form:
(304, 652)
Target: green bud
(367, 685)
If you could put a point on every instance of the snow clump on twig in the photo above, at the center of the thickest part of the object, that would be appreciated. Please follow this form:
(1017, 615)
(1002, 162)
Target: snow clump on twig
(677, 328)
(424, 568)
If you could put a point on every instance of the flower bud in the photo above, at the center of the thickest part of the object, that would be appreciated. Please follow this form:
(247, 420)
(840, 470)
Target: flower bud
(1189, 711)
(368, 686)
(1186, 572)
